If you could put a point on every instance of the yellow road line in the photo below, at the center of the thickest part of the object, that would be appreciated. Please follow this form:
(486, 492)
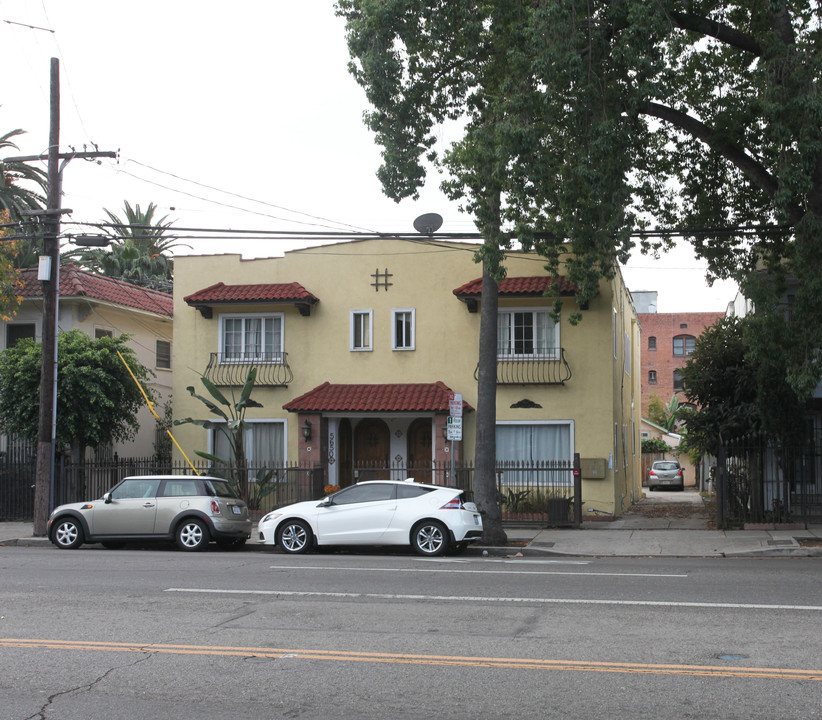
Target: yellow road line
(411, 659)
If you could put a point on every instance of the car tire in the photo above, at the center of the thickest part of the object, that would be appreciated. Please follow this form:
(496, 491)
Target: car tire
(294, 536)
(68, 534)
(430, 538)
(192, 535)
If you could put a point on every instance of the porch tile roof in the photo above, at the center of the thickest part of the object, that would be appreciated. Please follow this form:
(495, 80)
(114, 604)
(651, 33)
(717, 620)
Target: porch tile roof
(391, 397)
(533, 286)
(261, 292)
(77, 283)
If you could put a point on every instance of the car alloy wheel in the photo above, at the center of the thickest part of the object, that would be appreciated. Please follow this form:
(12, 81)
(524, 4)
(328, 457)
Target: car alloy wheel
(68, 535)
(294, 537)
(430, 538)
(192, 536)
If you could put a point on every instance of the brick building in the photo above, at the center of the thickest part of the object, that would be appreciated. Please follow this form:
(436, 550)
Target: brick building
(667, 341)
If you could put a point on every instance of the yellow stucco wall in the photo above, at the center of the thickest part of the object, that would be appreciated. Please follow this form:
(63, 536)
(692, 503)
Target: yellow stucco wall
(422, 276)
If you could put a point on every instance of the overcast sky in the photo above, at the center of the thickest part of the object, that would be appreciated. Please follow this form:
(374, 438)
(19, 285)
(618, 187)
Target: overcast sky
(230, 116)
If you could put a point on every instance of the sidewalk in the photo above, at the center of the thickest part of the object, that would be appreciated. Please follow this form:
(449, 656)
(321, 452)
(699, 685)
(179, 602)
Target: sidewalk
(630, 536)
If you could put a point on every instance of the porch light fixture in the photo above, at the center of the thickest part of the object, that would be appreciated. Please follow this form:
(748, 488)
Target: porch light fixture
(307, 430)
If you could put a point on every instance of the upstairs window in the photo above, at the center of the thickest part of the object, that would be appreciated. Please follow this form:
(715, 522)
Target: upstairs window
(257, 338)
(678, 384)
(527, 333)
(163, 355)
(652, 377)
(684, 344)
(652, 343)
(402, 329)
(361, 327)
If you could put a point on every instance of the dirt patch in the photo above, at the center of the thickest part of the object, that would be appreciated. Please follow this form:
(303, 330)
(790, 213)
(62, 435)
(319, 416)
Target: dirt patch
(809, 542)
(668, 510)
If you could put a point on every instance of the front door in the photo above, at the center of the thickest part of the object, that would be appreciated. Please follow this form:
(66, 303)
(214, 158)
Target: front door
(372, 445)
(419, 450)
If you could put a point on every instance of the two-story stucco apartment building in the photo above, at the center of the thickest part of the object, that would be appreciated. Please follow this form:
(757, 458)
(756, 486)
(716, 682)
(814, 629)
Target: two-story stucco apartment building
(97, 306)
(360, 345)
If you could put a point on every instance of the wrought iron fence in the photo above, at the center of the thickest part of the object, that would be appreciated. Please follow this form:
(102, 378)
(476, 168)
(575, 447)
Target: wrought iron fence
(762, 481)
(528, 492)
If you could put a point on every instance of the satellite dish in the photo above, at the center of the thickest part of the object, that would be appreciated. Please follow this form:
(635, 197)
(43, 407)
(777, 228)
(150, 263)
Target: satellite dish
(428, 224)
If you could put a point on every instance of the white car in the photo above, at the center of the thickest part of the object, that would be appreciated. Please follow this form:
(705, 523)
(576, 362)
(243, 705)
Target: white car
(432, 519)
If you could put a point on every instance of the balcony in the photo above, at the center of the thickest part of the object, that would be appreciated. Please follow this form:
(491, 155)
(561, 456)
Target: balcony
(548, 369)
(272, 369)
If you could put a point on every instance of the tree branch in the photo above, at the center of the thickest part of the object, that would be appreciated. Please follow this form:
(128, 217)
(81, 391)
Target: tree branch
(724, 33)
(753, 170)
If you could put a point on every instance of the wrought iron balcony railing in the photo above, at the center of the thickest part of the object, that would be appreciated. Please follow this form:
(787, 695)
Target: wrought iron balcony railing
(272, 369)
(548, 369)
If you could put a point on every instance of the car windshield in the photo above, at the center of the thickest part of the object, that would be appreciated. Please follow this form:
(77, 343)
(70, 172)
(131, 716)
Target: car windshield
(221, 488)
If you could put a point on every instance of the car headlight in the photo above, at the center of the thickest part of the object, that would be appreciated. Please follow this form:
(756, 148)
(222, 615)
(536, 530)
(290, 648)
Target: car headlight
(270, 517)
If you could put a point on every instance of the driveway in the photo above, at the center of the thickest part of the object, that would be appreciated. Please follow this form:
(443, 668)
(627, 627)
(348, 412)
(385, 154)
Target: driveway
(668, 509)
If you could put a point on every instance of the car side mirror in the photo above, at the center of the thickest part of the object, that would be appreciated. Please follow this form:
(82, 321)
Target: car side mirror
(107, 498)
(326, 502)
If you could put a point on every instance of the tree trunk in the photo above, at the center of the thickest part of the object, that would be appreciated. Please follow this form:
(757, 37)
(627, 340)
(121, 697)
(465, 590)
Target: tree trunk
(485, 481)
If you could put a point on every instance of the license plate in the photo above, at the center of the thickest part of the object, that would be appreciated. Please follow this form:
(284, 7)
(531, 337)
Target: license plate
(236, 510)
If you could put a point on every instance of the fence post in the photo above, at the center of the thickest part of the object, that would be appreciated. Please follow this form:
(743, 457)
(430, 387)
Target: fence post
(577, 491)
(721, 487)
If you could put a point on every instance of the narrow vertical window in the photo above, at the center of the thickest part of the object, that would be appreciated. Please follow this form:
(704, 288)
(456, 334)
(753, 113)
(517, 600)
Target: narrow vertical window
(361, 326)
(163, 354)
(402, 329)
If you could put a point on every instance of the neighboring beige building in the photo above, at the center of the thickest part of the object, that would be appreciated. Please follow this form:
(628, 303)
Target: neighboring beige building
(98, 306)
(359, 344)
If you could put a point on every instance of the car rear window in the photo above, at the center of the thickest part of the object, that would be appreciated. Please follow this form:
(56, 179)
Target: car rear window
(666, 466)
(404, 492)
(220, 488)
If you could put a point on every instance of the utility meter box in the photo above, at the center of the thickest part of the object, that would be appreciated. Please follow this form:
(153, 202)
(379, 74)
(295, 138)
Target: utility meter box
(592, 468)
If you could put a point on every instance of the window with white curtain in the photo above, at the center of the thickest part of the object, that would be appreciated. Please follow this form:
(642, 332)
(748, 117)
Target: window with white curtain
(534, 443)
(526, 333)
(245, 338)
(264, 444)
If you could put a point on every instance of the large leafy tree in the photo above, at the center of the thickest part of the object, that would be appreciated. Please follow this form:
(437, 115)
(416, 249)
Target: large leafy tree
(139, 251)
(738, 386)
(97, 400)
(588, 120)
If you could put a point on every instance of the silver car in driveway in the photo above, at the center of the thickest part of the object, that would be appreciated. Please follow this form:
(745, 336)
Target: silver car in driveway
(667, 474)
(191, 511)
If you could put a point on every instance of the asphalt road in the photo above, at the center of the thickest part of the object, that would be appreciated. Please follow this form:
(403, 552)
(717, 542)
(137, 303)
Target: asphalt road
(94, 634)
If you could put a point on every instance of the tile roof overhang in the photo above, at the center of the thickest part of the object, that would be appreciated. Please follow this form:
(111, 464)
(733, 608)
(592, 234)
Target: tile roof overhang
(390, 397)
(262, 293)
(517, 287)
(77, 283)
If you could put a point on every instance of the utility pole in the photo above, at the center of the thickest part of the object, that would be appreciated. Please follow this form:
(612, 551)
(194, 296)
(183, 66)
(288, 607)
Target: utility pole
(49, 274)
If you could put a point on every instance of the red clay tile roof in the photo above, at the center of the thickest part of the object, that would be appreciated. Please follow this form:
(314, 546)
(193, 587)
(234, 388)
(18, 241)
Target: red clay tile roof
(534, 286)
(75, 282)
(395, 397)
(263, 292)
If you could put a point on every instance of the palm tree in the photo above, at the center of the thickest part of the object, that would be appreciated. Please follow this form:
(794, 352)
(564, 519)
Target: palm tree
(13, 197)
(138, 252)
